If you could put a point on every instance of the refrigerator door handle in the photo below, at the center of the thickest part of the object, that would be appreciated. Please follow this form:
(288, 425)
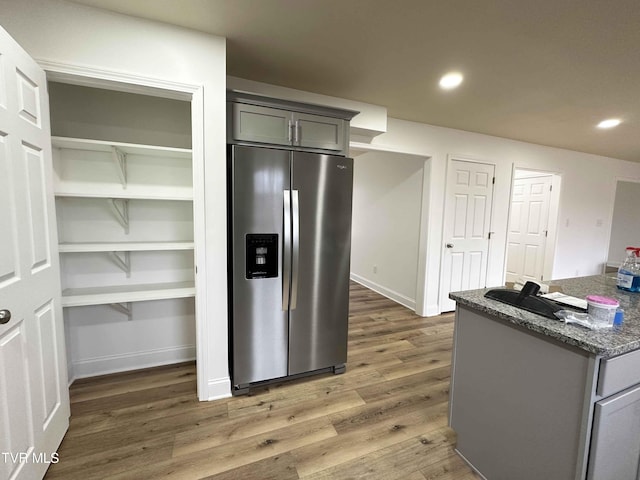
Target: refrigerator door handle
(295, 227)
(286, 250)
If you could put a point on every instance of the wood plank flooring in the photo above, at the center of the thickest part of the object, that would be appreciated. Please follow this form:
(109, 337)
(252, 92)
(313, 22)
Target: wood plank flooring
(385, 418)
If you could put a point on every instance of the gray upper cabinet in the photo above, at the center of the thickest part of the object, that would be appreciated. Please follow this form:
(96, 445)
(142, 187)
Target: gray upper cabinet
(315, 131)
(254, 119)
(252, 123)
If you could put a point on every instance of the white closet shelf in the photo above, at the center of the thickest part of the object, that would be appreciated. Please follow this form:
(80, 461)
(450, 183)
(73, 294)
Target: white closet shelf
(77, 297)
(128, 148)
(122, 246)
(61, 191)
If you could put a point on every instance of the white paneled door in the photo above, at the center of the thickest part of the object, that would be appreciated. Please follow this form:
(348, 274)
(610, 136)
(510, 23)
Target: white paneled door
(528, 221)
(34, 399)
(467, 221)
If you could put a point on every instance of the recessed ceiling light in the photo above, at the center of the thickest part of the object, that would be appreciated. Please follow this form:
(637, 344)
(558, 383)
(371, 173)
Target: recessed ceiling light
(609, 123)
(451, 80)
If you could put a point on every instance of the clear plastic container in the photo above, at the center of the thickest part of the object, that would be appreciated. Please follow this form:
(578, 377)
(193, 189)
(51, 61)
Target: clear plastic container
(629, 271)
(602, 310)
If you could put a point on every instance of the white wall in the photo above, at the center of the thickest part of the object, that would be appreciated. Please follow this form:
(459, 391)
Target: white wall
(625, 228)
(102, 340)
(387, 193)
(60, 32)
(586, 197)
(98, 114)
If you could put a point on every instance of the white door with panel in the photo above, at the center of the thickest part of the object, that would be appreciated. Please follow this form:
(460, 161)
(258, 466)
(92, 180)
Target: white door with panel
(467, 221)
(528, 222)
(34, 399)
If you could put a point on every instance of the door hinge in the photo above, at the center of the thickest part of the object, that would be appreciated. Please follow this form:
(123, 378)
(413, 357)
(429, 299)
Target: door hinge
(493, 181)
(489, 235)
(551, 188)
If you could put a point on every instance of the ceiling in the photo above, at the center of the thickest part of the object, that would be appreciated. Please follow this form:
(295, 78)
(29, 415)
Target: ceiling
(544, 71)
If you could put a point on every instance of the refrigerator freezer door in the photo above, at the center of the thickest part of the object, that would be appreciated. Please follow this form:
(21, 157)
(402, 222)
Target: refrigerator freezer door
(318, 324)
(260, 324)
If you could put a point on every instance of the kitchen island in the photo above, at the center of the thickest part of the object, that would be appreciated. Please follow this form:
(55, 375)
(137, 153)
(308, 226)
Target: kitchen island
(534, 398)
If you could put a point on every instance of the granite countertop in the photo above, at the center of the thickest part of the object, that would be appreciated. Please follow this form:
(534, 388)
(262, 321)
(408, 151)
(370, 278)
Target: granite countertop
(606, 342)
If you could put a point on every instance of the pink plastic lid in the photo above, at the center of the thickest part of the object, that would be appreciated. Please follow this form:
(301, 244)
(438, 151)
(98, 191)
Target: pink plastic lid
(602, 300)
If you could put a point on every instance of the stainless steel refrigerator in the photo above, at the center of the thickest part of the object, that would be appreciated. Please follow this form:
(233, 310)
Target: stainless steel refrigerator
(289, 257)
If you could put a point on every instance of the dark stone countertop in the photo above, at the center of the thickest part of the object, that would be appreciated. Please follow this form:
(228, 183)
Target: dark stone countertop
(606, 342)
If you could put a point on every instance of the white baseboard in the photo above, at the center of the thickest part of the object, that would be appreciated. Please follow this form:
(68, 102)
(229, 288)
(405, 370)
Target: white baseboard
(432, 310)
(217, 388)
(92, 367)
(384, 291)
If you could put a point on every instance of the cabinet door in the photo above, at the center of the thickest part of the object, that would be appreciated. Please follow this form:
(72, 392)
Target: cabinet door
(252, 123)
(615, 443)
(316, 131)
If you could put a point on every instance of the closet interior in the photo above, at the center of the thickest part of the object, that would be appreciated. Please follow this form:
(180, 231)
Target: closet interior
(123, 184)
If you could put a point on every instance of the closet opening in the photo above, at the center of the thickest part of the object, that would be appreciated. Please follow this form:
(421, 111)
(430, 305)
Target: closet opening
(123, 184)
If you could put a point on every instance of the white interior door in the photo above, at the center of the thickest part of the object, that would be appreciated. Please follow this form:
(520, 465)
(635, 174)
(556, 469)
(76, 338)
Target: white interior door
(34, 399)
(467, 221)
(528, 222)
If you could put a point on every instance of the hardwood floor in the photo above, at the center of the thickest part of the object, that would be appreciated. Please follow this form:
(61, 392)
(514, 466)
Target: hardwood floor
(385, 418)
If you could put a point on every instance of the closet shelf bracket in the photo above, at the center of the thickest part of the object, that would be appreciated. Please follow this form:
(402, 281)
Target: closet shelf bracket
(124, 308)
(120, 159)
(120, 207)
(124, 261)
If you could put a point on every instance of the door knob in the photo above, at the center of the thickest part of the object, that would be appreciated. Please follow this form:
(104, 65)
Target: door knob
(449, 245)
(5, 316)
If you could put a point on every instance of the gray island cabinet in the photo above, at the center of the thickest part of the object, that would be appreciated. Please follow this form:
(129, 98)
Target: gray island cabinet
(534, 398)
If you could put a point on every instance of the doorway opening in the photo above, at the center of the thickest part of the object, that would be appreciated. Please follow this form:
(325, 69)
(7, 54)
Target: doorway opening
(532, 229)
(388, 223)
(625, 229)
